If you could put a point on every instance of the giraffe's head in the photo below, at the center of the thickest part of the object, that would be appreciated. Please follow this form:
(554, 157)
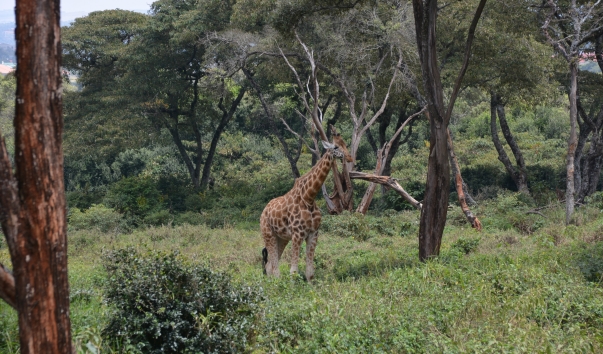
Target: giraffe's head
(334, 150)
(338, 140)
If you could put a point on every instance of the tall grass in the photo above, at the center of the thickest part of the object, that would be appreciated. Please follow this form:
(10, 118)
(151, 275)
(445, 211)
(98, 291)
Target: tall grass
(511, 288)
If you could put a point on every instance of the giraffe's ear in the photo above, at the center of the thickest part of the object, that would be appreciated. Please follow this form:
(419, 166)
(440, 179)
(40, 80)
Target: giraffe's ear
(328, 145)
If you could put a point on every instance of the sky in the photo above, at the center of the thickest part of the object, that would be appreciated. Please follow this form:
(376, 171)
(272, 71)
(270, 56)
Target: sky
(70, 9)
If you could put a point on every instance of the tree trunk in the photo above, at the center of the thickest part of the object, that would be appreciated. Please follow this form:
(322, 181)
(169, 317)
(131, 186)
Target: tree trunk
(437, 189)
(226, 116)
(33, 201)
(519, 174)
(572, 142)
(193, 171)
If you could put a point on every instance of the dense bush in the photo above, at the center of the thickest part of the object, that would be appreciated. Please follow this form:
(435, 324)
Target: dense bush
(362, 227)
(96, 217)
(135, 197)
(160, 304)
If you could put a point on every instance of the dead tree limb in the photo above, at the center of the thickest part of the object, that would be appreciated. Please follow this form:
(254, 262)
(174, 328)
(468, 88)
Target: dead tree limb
(382, 155)
(456, 170)
(388, 182)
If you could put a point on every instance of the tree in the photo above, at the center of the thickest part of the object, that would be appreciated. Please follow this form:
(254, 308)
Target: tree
(365, 83)
(32, 200)
(570, 26)
(99, 121)
(159, 68)
(589, 157)
(512, 66)
(435, 202)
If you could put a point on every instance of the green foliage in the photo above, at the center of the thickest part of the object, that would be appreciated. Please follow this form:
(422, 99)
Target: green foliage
(590, 262)
(510, 211)
(97, 217)
(8, 87)
(361, 263)
(158, 218)
(363, 227)
(135, 198)
(465, 245)
(552, 122)
(160, 304)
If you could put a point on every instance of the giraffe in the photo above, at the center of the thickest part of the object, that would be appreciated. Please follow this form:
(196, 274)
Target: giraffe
(295, 217)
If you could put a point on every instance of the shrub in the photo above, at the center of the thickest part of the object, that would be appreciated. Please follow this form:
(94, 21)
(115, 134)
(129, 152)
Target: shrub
(346, 225)
(135, 197)
(465, 245)
(97, 217)
(162, 305)
(158, 218)
(190, 218)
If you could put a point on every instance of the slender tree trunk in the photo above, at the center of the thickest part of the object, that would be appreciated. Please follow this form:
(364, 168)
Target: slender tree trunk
(519, 174)
(572, 142)
(226, 116)
(437, 189)
(193, 171)
(33, 205)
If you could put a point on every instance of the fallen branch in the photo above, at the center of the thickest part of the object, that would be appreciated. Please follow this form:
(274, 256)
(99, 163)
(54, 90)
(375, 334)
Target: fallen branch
(388, 182)
(535, 212)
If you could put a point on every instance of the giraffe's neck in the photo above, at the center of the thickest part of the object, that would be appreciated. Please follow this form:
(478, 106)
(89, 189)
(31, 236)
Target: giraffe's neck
(310, 184)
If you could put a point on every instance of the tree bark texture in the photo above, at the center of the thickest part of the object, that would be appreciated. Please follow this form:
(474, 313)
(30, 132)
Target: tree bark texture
(519, 173)
(33, 200)
(572, 143)
(437, 189)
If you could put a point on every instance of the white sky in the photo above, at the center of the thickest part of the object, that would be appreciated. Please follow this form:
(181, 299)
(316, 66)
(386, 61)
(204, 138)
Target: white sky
(71, 9)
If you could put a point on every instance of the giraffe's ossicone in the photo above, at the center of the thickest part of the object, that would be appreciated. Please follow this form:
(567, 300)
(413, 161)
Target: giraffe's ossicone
(295, 217)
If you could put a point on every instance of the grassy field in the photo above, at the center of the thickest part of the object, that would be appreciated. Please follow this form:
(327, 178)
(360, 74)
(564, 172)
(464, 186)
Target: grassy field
(526, 284)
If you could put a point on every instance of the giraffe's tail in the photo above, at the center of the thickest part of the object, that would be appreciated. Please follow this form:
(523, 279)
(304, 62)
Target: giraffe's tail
(264, 259)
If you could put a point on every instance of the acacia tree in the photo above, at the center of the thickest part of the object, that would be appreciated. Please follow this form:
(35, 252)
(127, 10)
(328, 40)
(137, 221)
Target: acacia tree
(435, 202)
(158, 67)
(569, 26)
(511, 66)
(32, 200)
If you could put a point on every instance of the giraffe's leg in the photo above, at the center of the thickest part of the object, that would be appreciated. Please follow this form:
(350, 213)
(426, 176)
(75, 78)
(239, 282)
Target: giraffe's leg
(271, 245)
(296, 242)
(311, 242)
(282, 243)
(273, 256)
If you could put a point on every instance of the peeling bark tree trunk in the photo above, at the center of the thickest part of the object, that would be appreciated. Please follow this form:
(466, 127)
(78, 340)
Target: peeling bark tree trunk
(460, 190)
(519, 174)
(32, 202)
